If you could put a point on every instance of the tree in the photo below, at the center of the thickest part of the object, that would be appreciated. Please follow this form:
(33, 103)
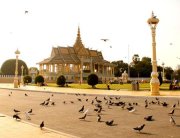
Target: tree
(119, 68)
(177, 74)
(135, 59)
(160, 78)
(8, 67)
(168, 73)
(92, 80)
(27, 79)
(39, 80)
(61, 80)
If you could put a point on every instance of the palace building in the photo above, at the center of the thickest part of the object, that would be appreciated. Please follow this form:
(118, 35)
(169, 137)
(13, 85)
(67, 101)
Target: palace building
(76, 63)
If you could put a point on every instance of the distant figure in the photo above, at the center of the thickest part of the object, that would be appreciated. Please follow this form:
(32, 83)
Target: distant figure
(108, 87)
(171, 86)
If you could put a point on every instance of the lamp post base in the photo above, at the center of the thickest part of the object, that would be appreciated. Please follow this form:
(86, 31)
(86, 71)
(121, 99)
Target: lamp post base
(154, 84)
(15, 82)
(155, 89)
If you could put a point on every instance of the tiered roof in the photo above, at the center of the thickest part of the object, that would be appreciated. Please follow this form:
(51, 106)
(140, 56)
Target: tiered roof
(73, 55)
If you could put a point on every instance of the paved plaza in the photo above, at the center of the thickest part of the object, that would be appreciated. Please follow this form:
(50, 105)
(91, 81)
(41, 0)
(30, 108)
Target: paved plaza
(62, 119)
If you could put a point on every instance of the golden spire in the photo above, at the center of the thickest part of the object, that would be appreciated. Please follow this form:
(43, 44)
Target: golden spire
(78, 44)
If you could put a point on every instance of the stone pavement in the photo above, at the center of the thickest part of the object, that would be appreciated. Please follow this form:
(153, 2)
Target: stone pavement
(21, 129)
(11, 128)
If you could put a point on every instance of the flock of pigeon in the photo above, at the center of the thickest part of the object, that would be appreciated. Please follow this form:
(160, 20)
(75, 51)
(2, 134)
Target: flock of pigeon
(30, 112)
(130, 107)
(102, 104)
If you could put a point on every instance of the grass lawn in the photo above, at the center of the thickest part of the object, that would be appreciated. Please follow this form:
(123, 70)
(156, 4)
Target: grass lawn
(142, 86)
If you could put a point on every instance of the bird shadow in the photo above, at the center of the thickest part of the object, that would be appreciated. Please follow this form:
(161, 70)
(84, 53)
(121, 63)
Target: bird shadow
(32, 114)
(177, 125)
(175, 115)
(149, 108)
(135, 113)
(85, 120)
(90, 115)
(113, 125)
(145, 133)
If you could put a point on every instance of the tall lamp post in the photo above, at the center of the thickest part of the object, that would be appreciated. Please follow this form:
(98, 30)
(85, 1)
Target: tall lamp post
(163, 72)
(16, 81)
(22, 67)
(153, 21)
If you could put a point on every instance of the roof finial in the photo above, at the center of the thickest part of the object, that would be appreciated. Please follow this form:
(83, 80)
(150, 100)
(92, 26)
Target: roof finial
(78, 32)
(152, 14)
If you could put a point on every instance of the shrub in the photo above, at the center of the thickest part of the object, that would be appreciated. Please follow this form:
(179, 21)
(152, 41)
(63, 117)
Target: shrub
(92, 80)
(8, 67)
(39, 80)
(27, 79)
(61, 80)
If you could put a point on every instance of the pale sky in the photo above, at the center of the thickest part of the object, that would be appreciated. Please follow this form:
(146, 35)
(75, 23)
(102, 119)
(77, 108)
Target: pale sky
(55, 22)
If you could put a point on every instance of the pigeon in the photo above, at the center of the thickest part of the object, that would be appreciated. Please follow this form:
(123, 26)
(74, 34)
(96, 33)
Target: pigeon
(53, 103)
(164, 104)
(86, 111)
(79, 99)
(83, 117)
(105, 98)
(82, 109)
(178, 103)
(71, 102)
(46, 103)
(174, 105)
(92, 102)
(139, 128)
(133, 110)
(96, 109)
(42, 103)
(30, 111)
(172, 112)
(104, 40)
(42, 125)
(99, 118)
(16, 117)
(25, 94)
(148, 118)
(109, 123)
(99, 101)
(52, 95)
(27, 116)
(49, 99)
(16, 111)
(157, 98)
(100, 109)
(146, 106)
(123, 106)
(172, 121)
(130, 108)
(26, 12)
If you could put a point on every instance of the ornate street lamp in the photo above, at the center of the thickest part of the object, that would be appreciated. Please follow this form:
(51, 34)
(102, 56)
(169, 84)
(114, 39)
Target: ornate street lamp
(22, 67)
(164, 78)
(16, 80)
(153, 21)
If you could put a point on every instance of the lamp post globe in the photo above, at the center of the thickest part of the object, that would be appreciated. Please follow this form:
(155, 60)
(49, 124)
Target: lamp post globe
(16, 80)
(154, 83)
